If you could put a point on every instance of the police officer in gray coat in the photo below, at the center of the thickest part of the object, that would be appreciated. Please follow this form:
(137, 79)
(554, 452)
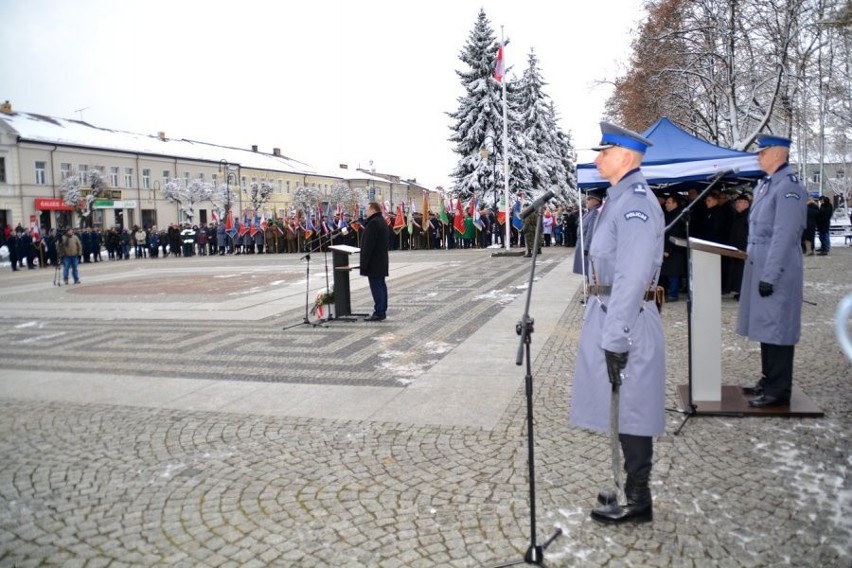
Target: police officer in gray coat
(622, 337)
(771, 295)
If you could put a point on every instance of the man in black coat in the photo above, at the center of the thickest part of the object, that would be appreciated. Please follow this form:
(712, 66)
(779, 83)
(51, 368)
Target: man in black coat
(374, 259)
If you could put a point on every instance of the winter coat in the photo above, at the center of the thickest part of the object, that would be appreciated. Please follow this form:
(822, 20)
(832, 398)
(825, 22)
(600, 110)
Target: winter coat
(776, 222)
(374, 247)
(626, 253)
(221, 236)
(675, 263)
(823, 220)
(71, 246)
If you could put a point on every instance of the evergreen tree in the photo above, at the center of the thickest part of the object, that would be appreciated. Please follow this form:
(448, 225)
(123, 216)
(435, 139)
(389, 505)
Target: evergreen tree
(539, 128)
(478, 121)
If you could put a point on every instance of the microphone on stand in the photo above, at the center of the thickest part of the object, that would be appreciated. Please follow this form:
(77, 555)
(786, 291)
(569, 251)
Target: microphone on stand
(536, 205)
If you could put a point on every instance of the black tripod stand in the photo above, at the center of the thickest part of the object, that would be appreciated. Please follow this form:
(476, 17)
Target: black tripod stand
(691, 409)
(307, 320)
(524, 328)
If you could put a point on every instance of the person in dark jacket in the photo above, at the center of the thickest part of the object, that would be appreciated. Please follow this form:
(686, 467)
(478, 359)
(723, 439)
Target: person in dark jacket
(12, 245)
(738, 237)
(823, 223)
(809, 236)
(673, 268)
(374, 259)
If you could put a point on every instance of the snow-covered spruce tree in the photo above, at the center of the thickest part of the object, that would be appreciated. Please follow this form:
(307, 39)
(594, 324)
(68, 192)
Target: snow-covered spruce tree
(259, 195)
(186, 195)
(478, 121)
(79, 190)
(568, 167)
(538, 122)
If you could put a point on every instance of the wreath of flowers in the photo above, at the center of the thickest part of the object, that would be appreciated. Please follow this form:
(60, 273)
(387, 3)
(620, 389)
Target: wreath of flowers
(324, 297)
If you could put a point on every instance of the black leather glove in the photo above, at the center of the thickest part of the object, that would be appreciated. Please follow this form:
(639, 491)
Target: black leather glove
(764, 289)
(615, 364)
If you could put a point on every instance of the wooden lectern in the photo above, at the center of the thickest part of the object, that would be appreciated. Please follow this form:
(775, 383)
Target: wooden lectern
(342, 268)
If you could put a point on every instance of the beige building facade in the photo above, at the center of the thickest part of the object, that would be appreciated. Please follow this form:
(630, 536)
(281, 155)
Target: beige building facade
(38, 152)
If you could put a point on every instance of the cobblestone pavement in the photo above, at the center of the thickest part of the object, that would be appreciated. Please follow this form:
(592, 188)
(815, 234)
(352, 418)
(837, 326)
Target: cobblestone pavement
(85, 484)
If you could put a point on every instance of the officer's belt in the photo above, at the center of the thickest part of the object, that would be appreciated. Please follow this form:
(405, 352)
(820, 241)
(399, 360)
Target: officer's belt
(595, 290)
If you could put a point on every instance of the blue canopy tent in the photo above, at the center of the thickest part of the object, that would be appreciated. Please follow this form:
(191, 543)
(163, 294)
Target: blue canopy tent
(681, 159)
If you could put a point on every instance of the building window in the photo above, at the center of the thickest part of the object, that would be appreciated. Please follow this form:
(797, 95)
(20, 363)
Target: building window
(64, 170)
(128, 177)
(280, 187)
(40, 173)
(166, 175)
(201, 176)
(113, 176)
(146, 179)
(215, 179)
(288, 186)
(186, 177)
(840, 174)
(253, 181)
(2, 170)
(84, 173)
(243, 181)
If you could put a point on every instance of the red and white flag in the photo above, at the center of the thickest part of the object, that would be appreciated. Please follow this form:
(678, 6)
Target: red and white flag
(499, 69)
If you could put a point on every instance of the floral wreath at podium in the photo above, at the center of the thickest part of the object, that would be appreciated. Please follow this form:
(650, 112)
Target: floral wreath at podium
(324, 297)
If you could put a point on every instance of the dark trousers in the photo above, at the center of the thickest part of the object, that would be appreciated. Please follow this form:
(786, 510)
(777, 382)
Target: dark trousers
(638, 454)
(379, 289)
(777, 365)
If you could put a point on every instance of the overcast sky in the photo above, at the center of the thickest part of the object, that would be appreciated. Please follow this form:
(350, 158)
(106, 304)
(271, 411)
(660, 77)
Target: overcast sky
(328, 82)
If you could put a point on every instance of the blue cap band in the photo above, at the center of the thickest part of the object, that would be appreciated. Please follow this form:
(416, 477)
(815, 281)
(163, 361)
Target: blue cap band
(623, 141)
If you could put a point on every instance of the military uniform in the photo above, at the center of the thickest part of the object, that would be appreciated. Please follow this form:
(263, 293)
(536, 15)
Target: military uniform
(530, 223)
(622, 324)
(777, 219)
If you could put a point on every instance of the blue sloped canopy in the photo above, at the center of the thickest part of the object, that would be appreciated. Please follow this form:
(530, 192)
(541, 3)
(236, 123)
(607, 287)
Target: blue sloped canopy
(677, 157)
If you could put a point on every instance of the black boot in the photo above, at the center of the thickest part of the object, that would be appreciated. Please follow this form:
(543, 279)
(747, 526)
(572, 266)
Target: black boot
(637, 510)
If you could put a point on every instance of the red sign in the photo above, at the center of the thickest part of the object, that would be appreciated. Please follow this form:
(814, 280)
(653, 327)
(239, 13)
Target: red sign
(52, 203)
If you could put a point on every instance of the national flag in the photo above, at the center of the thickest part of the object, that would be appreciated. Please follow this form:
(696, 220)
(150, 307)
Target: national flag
(517, 222)
(443, 214)
(215, 217)
(263, 223)
(458, 222)
(499, 69)
(229, 224)
(328, 213)
(474, 213)
(253, 230)
(309, 227)
(501, 211)
(411, 219)
(399, 222)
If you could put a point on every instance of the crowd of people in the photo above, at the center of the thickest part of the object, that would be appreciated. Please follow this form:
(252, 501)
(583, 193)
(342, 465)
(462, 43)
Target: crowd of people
(720, 217)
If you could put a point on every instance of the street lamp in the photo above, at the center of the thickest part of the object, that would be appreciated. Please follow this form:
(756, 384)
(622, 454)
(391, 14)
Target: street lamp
(485, 154)
(228, 170)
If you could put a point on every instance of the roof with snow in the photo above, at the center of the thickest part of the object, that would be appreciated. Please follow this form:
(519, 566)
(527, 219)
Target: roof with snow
(49, 130)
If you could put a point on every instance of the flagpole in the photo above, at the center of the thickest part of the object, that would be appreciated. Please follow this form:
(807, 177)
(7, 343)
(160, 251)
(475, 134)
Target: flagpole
(505, 146)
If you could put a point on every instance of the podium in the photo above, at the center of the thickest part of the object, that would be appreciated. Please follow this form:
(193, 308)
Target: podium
(342, 267)
(705, 277)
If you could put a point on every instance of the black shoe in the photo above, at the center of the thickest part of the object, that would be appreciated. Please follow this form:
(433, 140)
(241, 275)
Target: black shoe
(528, 255)
(638, 509)
(374, 317)
(756, 390)
(765, 401)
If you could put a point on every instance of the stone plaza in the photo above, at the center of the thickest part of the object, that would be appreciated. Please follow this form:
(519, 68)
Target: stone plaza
(179, 412)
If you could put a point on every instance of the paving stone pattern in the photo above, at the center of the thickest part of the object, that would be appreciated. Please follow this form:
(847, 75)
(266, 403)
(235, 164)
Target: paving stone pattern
(106, 485)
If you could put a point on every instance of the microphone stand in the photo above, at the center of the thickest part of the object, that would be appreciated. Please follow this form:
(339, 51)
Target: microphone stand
(524, 328)
(306, 320)
(686, 214)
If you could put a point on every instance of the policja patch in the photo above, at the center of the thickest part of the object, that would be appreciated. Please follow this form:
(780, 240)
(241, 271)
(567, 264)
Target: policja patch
(636, 215)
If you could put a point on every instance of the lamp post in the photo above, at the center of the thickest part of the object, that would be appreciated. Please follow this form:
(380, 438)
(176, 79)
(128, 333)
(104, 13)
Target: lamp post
(485, 155)
(228, 170)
